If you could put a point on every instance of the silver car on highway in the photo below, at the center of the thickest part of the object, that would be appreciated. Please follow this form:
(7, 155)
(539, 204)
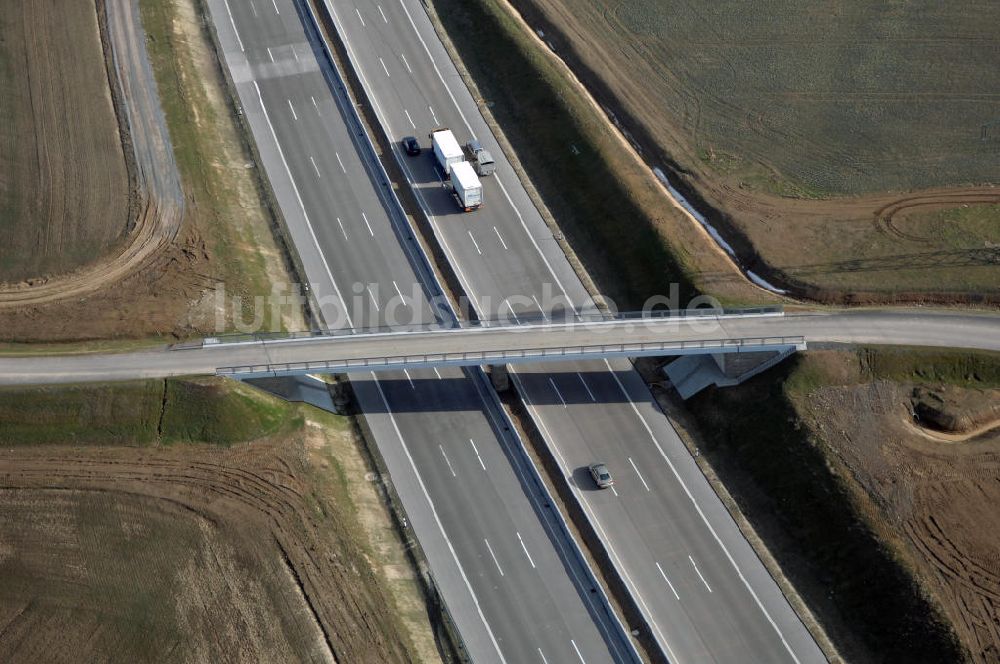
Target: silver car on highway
(602, 478)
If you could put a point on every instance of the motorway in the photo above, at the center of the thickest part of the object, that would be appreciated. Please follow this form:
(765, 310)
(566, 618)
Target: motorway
(495, 549)
(514, 581)
(705, 594)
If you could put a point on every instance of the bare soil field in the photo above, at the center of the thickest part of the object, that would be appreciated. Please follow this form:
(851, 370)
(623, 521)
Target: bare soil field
(229, 235)
(888, 526)
(813, 136)
(64, 187)
(121, 549)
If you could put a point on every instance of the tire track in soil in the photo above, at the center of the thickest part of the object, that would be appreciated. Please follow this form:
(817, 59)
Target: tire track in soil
(259, 490)
(885, 215)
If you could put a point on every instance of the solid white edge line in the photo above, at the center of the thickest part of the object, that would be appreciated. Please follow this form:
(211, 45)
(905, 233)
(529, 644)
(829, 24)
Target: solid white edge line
(704, 518)
(233, 23)
(437, 519)
(295, 188)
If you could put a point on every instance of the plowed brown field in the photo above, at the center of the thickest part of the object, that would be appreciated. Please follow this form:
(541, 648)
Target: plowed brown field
(932, 499)
(187, 553)
(792, 122)
(64, 187)
(159, 279)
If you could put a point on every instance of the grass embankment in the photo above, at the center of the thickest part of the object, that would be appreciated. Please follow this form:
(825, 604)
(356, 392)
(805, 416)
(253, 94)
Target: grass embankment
(117, 549)
(228, 206)
(790, 486)
(613, 214)
(149, 412)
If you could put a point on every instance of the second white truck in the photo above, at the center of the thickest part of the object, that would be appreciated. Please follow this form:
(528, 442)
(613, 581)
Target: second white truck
(466, 187)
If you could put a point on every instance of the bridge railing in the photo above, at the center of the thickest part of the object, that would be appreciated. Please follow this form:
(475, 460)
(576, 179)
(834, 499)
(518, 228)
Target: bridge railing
(475, 358)
(567, 317)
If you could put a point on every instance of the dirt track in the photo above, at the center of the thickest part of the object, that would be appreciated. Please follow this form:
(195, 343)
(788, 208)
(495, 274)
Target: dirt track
(245, 554)
(157, 193)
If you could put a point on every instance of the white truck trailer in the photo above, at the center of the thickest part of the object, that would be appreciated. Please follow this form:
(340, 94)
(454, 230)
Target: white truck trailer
(466, 187)
(447, 151)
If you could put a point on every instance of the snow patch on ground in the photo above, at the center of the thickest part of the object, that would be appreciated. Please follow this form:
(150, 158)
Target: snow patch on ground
(719, 240)
(694, 213)
(764, 284)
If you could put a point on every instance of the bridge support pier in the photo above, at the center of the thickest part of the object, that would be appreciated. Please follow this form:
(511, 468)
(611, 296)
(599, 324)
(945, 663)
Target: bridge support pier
(691, 374)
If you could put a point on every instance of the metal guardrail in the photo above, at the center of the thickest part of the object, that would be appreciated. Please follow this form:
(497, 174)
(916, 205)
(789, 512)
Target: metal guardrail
(476, 358)
(525, 320)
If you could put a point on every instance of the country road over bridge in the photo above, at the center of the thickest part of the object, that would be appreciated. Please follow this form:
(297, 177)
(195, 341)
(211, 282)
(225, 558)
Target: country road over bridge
(529, 342)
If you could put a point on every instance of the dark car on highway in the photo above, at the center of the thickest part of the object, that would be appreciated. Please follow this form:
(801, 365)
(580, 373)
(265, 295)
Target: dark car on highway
(411, 145)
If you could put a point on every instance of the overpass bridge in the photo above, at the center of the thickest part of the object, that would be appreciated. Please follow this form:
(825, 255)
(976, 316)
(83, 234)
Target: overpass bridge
(502, 343)
(481, 343)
